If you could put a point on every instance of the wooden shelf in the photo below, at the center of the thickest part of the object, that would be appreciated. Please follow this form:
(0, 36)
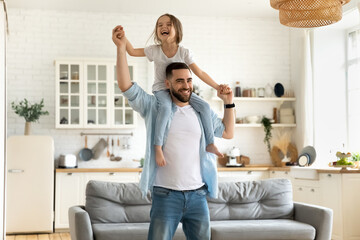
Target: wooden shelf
(251, 125)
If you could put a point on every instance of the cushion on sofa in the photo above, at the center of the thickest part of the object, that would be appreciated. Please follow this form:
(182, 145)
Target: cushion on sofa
(265, 199)
(128, 231)
(108, 202)
(268, 229)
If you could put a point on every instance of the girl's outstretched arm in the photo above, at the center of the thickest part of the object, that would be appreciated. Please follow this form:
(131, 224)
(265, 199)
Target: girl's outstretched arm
(203, 76)
(135, 52)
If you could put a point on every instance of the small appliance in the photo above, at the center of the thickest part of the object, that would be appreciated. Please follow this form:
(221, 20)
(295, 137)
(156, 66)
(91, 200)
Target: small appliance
(67, 161)
(233, 153)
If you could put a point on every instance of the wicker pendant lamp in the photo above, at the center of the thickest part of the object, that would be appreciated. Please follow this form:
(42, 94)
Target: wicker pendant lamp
(308, 13)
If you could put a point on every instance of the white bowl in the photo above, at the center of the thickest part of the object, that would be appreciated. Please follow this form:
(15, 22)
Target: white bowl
(252, 119)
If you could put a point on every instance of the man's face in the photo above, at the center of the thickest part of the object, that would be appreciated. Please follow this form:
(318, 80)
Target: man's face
(180, 85)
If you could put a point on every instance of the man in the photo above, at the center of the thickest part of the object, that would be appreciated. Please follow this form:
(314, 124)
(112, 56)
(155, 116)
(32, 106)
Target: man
(180, 187)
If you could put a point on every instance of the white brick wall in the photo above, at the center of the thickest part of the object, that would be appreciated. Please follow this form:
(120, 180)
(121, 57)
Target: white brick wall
(252, 51)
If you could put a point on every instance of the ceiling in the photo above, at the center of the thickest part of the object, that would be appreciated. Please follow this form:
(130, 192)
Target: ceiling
(214, 8)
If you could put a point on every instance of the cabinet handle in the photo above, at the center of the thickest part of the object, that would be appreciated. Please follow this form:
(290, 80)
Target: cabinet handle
(15, 171)
(313, 190)
(329, 175)
(273, 172)
(300, 189)
(249, 172)
(69, 174)
(111, 174)
(286, 172)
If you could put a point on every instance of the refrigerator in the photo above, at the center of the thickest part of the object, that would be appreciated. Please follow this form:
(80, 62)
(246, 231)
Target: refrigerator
(30, 184)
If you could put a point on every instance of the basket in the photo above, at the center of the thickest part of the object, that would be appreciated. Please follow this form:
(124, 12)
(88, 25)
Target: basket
(308, 13)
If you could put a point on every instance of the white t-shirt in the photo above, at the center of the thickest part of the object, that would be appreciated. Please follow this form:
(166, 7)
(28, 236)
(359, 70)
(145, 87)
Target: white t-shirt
(161, 61)
(182, 153)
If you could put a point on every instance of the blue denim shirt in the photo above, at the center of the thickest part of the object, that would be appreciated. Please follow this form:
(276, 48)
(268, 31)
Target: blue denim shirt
(146, 105)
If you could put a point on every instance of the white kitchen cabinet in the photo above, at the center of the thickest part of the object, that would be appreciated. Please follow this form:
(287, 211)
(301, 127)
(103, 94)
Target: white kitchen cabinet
(350, 206)
(87, 95)
(307, 191)
(238, 176)
(71, 186)
(280, 174)
(69, 191)
(331, 195)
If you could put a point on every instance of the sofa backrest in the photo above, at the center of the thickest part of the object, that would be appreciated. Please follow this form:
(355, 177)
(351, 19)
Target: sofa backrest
(108, 202)
(265, 199)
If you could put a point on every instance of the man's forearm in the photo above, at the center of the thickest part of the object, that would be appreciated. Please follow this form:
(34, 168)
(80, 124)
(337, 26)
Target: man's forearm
(229, 123)
(122, 70)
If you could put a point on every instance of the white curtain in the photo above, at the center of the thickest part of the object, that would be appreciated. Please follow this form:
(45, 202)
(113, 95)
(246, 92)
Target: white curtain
(306, 91)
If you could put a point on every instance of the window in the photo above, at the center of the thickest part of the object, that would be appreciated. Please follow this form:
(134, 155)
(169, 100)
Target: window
(353, 90)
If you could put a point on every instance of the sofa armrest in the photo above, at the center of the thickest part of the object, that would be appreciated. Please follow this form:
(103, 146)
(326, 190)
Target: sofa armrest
(80, 224)
(321, 218)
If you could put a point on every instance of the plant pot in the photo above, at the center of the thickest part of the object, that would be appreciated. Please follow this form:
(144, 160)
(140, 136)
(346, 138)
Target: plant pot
(27, 128)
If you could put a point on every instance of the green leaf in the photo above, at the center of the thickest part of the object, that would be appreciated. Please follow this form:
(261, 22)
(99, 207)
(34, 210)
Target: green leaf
(31, 113)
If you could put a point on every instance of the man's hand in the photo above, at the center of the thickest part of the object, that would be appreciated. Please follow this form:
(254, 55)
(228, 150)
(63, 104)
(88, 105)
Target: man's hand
(225, 93)
(118, 37)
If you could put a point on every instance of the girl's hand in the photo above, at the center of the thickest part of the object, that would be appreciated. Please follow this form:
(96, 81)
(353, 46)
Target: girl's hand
(224, 89)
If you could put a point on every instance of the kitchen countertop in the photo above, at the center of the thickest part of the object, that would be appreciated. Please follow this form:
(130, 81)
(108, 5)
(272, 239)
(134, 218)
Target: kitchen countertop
(222, 169)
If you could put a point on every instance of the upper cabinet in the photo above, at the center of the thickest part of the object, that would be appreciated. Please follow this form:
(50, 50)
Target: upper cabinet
(87, 95)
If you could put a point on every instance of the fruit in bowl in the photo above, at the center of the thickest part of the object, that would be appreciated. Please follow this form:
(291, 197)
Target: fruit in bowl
(252, 119)
(343, 160)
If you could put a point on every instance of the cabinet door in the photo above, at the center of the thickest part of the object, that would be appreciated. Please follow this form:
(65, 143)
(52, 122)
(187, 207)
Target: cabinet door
(123, 115)
(280, 174)
(96, 95)
(69, 192)
(307, 194)
(331, 193)
(351, 211)
(69, 85)
(240, 176)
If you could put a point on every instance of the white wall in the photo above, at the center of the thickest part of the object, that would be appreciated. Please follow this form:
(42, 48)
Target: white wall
(2, 119)
(252, 51)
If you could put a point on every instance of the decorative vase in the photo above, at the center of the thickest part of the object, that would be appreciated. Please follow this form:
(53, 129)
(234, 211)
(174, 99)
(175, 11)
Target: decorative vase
(27, 128)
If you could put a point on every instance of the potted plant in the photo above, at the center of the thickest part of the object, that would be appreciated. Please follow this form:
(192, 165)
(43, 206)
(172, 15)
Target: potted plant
(266, 122)
(31, 112)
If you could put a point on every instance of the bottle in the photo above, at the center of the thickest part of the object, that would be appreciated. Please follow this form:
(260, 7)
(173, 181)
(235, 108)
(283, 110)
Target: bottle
(237, 89)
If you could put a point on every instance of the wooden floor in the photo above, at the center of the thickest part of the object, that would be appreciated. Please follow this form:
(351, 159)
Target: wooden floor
(53, 236)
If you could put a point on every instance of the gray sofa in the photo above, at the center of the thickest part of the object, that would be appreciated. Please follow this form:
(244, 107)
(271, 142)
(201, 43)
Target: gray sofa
(243, 210)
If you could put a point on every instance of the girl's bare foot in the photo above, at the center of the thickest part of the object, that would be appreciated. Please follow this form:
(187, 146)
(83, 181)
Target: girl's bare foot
(213, 149)
(159, 156)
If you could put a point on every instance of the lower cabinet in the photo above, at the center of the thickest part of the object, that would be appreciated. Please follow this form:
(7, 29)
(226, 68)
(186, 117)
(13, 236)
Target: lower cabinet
(70, 190)
(237, 176)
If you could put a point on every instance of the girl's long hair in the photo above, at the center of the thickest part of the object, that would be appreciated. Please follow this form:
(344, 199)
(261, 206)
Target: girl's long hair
(177, 25)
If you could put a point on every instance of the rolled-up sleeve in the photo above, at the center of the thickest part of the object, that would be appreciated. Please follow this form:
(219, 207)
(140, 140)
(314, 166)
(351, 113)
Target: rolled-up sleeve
(218, 124)
(139, 100)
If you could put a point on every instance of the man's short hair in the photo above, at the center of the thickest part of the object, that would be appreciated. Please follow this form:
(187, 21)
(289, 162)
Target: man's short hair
(175, 66)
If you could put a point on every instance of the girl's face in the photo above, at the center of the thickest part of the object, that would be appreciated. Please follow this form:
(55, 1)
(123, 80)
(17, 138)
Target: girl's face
(165, 30)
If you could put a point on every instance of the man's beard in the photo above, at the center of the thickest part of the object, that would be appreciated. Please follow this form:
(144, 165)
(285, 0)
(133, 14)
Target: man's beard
(180, 97)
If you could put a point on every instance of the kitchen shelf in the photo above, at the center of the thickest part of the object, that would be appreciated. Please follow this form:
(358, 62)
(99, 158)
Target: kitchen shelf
(258, 99)
(251, 125)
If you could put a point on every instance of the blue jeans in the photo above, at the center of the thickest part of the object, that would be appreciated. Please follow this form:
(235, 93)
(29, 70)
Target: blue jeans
(169, 207)
(164, 111)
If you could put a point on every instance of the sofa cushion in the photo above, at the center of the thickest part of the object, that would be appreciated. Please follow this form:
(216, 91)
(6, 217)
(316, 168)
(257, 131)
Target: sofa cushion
(261, 229)
(108, 202)
(127, 231)
(265, 199)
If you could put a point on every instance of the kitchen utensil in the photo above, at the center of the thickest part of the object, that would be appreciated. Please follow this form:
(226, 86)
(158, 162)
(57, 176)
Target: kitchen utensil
(279, 89)
(85, 154)
(233, 153)
(67, 161)
(112, 156)
(307, 156)
(252, 119)
(107, 150)
(99, 148)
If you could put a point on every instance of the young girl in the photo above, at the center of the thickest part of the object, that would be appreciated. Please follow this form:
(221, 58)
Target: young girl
(167, 36)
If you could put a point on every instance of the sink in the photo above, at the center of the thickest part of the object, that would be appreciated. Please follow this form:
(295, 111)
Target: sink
(304, 173)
